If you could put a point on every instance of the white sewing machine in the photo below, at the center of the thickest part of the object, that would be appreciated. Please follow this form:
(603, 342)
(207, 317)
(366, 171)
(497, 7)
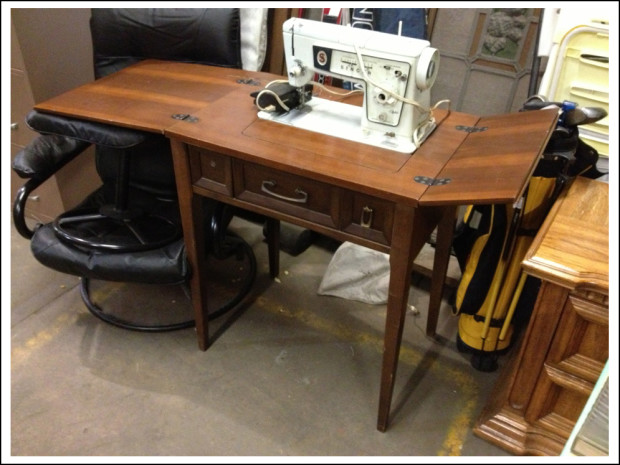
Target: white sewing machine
(396, 74)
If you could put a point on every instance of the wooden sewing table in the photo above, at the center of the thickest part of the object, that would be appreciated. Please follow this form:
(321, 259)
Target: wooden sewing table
(381, 199)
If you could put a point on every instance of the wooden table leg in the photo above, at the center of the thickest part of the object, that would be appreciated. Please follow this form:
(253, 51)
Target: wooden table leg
(193, 235)
(273, 245)
(412, 227)
(445, 234)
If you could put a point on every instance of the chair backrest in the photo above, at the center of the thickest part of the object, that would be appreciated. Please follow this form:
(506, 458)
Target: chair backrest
(124, 36)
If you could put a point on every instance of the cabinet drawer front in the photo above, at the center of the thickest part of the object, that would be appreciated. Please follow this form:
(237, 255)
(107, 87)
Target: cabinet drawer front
(580, 346)
(367, 217)
(293, 195)
(211, 170)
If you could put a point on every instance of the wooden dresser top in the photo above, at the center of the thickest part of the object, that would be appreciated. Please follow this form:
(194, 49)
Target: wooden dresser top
(571, 248)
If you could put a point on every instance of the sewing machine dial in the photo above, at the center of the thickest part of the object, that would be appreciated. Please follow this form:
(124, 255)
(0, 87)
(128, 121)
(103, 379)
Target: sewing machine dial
(382, 106)
(388, 77)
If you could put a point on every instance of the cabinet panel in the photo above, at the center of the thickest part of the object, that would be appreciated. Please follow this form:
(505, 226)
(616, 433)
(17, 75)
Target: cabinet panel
(21, 104)
(546, 385)
(211, 170)
(70, 185)
(581, 344)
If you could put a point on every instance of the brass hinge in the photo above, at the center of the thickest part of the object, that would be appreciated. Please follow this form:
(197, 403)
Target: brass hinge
(432, 181)
(250, 82)
(185, 117)
(471, 129)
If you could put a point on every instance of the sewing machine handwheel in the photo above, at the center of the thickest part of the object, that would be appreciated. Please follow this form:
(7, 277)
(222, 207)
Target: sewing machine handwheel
(426, 71)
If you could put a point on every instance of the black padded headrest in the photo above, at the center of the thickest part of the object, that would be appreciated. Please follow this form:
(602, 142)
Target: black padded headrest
(123, 36)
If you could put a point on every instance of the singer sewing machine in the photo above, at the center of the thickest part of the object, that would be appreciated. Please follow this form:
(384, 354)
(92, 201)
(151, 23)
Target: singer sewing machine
(395, 73)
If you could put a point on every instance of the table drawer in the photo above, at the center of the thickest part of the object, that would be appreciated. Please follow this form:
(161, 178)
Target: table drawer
(211, 170)
(367, 217)
(293, 195)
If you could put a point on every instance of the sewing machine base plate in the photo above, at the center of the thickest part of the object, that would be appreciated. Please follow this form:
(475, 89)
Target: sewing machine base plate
(341, 120)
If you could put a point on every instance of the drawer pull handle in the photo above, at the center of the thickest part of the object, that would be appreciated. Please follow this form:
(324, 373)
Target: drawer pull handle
(303, 196)
(366, 219)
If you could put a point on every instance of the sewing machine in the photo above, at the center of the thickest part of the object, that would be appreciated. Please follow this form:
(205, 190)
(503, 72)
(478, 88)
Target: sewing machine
(395, 72)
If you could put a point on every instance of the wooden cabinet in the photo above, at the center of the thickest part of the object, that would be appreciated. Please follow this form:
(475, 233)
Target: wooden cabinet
(547, 382)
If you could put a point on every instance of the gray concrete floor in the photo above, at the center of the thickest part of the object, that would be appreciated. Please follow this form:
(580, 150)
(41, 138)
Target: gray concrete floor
(290, 373)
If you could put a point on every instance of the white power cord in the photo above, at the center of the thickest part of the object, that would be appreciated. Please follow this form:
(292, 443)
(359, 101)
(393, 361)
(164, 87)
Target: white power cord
(396, 96)
(331, 91)
(271, 108)
(430, 120)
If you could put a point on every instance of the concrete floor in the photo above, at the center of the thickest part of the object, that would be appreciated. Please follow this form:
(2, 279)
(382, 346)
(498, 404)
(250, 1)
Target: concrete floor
(291, 373)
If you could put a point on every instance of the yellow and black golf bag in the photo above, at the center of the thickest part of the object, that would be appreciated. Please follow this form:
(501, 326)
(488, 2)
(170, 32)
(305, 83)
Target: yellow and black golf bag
(494, 294)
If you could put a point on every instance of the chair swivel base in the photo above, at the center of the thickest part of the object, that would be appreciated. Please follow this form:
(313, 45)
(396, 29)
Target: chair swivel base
(242, 249)
(107, 229)
(125, 324)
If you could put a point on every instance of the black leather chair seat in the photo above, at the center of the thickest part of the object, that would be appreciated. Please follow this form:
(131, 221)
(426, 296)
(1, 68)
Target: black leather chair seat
(158, 265)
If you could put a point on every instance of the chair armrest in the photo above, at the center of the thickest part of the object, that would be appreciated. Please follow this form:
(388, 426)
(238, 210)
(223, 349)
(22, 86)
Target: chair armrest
(61, 140)
(86, 131)
(37, 162)
(19, 208)
(45, 155)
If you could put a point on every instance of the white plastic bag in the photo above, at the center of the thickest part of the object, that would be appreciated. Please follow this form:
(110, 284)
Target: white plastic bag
(357, 273)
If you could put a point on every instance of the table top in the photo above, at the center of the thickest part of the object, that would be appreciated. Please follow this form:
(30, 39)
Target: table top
(490, 165)
(571, 248)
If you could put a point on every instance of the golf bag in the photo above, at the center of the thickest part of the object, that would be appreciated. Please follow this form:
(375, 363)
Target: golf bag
(494, 295)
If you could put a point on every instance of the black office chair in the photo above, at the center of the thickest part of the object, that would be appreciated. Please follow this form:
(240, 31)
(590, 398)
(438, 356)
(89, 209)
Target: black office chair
(129, 229)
